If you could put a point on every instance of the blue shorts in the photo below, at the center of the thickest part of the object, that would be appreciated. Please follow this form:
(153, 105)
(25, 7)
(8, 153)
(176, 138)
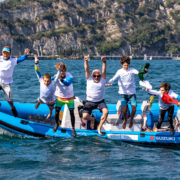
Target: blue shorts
(125, 99)
(89, 106)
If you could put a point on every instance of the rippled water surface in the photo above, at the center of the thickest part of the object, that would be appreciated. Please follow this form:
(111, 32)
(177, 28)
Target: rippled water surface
(86, 157)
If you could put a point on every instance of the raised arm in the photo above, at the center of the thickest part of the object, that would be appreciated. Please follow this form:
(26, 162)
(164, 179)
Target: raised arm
(103, 58)
(143, 71)
(56, 77)
(22, 58)
(67, 80)
(36, 60)
(86, 67)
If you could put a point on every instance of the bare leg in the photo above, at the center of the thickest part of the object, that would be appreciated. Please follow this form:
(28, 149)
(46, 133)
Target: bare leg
(132, 116)
(103, 119)
(14, 111)
(88, 117)
(37, 104)
(50, 112)
(124, 111)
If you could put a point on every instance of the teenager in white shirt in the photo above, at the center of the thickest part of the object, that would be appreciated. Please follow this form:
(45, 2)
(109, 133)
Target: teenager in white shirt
(127, 88)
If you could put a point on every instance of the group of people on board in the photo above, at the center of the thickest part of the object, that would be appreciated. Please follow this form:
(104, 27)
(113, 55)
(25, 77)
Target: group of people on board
(62, 87)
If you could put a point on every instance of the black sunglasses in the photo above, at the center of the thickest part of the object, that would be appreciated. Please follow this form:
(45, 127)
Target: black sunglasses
(98, 76)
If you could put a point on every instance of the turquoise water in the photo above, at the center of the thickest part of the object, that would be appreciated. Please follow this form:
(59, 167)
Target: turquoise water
(86, 157)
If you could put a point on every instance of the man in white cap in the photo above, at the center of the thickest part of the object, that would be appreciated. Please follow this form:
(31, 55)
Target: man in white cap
(7, 65)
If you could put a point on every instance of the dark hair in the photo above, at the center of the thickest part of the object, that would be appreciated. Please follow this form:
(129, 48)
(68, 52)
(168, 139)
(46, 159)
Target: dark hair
(166, 86)
(124, 59)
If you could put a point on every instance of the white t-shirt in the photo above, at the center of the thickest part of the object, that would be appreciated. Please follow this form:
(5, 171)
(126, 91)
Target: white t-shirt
(126, 81)
(63, 91)
(7, 69)
(95, 91)
(47, 92)
(162, 105)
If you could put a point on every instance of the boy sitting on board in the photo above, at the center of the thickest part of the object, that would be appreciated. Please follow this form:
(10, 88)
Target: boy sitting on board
(47, 88)
(166, 103)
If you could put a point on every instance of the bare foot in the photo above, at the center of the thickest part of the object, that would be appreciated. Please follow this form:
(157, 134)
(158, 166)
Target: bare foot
(92, 124)
(124, 124)
(55, 127)
(99, 132)
(130, 124)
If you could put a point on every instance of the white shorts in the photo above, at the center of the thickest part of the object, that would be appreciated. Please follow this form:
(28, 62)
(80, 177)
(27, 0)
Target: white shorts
(7, 91)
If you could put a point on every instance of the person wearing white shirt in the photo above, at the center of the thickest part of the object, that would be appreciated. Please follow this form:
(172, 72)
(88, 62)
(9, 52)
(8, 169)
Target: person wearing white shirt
(127, 88)
(7, 65)
(65, 95)
(165, 107)
(47, 88)
(95, 90)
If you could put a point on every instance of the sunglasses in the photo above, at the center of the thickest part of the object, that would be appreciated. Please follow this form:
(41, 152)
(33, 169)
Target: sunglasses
(98, 76)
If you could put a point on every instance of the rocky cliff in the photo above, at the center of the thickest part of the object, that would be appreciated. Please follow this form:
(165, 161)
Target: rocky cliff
(72, 28)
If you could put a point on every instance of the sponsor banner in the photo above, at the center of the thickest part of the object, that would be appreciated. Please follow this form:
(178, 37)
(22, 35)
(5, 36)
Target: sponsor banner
(123, 136)
(165, 138)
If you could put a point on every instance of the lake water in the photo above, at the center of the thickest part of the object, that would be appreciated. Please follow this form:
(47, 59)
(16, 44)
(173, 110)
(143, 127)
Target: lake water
(86, 157)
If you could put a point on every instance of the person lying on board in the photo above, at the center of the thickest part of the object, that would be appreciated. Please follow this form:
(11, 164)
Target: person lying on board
(95, 90)
(127, 87)
(65, 95)
(166, 103)
(47, 88)
(7, 65)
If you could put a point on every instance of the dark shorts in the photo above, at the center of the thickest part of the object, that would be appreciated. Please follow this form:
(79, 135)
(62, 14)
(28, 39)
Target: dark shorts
(89, 106)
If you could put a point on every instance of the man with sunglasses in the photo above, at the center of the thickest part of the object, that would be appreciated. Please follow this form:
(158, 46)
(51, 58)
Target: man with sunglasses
(95, 90)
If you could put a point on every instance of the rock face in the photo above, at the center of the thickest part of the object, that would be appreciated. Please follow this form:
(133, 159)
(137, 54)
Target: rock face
(72, 28)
